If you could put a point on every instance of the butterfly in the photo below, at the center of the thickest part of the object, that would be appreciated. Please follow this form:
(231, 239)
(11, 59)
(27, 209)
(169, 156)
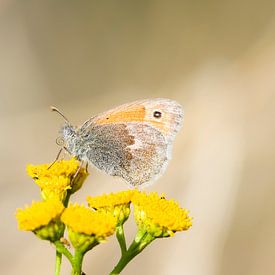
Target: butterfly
(132, 141)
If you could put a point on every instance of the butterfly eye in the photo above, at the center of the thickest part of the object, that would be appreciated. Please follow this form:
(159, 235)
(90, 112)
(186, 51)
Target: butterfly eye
(60, 141)
(157, 114)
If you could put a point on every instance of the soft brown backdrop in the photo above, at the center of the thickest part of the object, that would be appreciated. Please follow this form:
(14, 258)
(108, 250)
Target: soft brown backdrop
(217, 58)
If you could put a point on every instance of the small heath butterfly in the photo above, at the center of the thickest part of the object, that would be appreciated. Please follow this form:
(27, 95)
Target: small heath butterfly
(132, 141)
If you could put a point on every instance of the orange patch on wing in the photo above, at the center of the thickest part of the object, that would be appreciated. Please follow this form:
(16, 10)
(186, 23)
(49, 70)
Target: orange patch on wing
(160, 125)
(132, 114)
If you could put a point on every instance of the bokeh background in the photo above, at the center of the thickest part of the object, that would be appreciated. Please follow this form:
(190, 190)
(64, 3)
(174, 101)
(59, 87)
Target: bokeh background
(217, 58)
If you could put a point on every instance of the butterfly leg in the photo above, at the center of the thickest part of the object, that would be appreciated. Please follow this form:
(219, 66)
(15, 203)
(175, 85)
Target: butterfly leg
(86, 167)
(81, 164)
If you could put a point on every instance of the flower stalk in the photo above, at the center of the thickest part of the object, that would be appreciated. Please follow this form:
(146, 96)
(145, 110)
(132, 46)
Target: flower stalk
(60, 248)
(121, 239)
(142, 239)
(58, 260)
(78, 260)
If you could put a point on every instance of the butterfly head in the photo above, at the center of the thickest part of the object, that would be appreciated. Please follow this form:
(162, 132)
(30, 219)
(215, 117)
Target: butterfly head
(67, 133)
(68, 136)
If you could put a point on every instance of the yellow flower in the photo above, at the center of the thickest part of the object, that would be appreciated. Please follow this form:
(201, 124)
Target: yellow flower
(55, 180)
(54, 187)
(66, 168)
(118, 204)
(159, 216)
(43, 218)
(84, 220)
(87, 227)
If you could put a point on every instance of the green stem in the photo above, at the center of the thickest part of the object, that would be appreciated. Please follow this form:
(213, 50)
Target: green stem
(66, 201)
(121, 239)
(124, 260)
(58, 255)
(60, 248)
(78, 260)
(141, 241)
(58, 259)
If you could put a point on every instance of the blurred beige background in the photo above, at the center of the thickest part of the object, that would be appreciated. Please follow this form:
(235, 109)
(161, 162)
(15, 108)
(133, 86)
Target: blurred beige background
(217, 58)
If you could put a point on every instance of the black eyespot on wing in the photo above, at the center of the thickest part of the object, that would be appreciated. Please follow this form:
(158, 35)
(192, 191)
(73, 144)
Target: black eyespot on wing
(157, 114)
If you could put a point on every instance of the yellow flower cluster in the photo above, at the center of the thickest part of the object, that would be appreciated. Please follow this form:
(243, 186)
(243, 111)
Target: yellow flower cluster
(84, 220)
(55, 180)
(88, 226)
(39, 214)
(160, 216)
(43, 218)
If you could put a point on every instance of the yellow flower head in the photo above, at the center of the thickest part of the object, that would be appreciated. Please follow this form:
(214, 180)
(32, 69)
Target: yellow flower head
(87, 227)
(118, 204)
(55, 180)
(84, 220)
(159, 216)
(66, 168)
(43, 218)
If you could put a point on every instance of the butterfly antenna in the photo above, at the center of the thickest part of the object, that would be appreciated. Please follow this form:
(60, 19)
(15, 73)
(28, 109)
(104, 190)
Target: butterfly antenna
(54, 109)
